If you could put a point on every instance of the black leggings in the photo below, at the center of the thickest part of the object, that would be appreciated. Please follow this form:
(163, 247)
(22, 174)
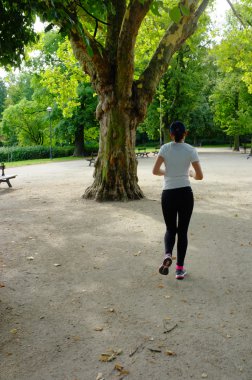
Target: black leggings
(177, 204)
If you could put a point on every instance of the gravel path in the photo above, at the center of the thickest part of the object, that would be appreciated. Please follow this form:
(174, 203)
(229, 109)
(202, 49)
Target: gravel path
(79, 282)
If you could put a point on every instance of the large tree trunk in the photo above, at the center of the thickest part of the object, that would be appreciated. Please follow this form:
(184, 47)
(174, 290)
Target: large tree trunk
(116, 166)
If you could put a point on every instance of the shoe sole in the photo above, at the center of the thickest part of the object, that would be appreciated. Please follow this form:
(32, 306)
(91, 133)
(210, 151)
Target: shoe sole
(180, 276)
(164, 269)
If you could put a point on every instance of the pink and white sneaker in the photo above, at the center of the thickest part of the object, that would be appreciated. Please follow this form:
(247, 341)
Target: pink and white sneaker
(180, 274)
(167, 262)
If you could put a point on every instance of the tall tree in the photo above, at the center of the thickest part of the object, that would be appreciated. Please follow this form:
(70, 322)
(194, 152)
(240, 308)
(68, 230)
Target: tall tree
(3, 94)
(103, 37)
(232, 99)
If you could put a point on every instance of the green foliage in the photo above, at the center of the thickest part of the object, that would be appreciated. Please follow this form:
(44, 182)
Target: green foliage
(184, 91)
(16, 30)
(24, 121)
(232, 105)
(33, 152)
(18, 88)
(62, 80)
(232, 95)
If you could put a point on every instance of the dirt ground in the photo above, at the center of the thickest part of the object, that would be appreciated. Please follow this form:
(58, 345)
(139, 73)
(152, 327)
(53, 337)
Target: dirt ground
(80, 279)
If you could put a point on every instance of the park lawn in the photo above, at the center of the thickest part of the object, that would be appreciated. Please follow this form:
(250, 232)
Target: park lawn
(41, 161)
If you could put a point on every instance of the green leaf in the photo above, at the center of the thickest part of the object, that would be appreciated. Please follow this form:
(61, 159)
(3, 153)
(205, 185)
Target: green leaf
(155, 9)
(184, 10)
(175, 14)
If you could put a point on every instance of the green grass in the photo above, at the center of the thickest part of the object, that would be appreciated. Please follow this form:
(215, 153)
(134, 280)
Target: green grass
(41, 161)
(71, 158)
(215, 146)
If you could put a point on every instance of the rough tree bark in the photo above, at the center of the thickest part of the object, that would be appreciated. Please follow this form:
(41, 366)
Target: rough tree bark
(123, 101)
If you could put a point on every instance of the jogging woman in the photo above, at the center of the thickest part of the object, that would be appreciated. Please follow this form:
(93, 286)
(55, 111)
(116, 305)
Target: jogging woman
(177, 196)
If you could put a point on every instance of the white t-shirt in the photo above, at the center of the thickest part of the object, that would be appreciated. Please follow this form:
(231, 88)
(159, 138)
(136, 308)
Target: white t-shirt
(177, 159)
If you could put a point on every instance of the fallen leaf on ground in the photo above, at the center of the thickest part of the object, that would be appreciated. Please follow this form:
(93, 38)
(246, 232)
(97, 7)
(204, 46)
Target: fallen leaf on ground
(13, 331)
(100, 376)
(110, 355)
(98, 328)
(121, 369)
(160, 286)
(76, 338)
(170, 353)
(2, 285)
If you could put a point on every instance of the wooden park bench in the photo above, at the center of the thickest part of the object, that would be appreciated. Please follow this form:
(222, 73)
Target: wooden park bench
(5, 178)
(156, 151)
(92, 159)
(141, 152)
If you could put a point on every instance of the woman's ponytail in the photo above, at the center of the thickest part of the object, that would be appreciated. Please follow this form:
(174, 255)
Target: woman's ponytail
(178, 136)
(177, 129)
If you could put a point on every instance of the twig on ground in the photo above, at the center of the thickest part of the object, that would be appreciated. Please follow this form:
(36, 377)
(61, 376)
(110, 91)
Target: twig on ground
(141, 346)
(154, 350)
(169, 330)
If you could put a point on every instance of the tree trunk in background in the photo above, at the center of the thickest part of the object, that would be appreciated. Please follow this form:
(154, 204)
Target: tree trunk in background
(236, 143)
(116, 166)
(79, 142)
(166, 135)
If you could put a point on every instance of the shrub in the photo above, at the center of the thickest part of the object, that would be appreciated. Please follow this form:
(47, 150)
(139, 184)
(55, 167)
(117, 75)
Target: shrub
(91, 147)
(33, 152)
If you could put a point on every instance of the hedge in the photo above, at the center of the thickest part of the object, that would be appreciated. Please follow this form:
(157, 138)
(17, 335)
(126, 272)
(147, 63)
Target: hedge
(33, 152)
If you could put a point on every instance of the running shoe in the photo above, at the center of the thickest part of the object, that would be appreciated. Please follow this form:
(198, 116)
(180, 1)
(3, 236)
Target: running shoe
(180, 274)
(164, 268)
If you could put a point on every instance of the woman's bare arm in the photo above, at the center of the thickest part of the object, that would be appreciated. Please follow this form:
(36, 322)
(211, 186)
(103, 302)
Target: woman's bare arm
(197, 172)
(157, 167)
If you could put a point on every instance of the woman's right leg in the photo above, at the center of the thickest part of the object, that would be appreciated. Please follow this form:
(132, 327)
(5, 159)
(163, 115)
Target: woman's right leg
(169, 209)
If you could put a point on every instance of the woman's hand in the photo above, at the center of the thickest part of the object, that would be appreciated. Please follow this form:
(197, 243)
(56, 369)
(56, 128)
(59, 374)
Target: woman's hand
(191, 173)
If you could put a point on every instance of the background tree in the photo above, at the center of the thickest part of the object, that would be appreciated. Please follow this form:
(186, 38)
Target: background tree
(232, 96)
(184, 91)
(22, 123)
(51, 76)
(81, 123)
(65, 80)
(103, 38)
(3, 94)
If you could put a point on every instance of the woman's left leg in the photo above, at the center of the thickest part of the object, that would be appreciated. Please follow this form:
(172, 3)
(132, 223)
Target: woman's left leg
(185, 209)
